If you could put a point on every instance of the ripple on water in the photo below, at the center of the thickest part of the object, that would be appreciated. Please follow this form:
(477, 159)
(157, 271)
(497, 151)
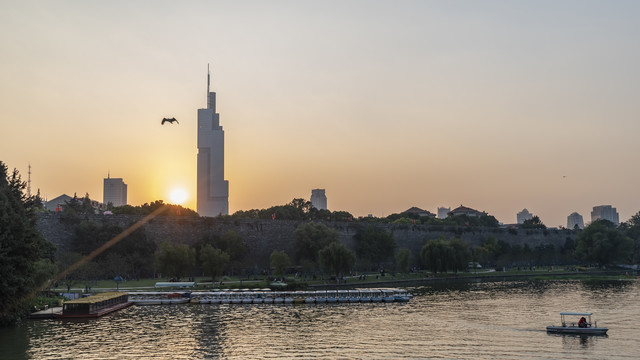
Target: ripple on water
(495, 320)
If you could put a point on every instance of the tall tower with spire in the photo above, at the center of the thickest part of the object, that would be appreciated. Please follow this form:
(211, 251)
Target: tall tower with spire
(212, 188)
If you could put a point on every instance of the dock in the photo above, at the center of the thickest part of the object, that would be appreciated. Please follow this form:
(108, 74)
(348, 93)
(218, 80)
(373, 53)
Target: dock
(49, 313)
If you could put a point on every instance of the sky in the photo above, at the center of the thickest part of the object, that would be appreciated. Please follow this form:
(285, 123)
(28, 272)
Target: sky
(494, 105)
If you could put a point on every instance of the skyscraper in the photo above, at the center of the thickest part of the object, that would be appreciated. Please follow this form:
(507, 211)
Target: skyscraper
(319, 199)
(605, 212)
(114, 191)
(212, 188)
(523, 215)
(574, 220)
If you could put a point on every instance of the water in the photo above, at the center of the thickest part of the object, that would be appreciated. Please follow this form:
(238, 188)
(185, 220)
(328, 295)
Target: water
(488, 320)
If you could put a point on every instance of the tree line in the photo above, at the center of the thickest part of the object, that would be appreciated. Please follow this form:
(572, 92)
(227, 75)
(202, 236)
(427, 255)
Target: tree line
(27, 260)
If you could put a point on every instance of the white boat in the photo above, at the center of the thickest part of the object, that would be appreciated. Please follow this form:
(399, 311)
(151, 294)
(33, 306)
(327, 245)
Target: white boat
(388, 296)
(288, 298)
(278, 299)
(402, 295)
(365, 296)
(376, 295)
(321, 296)
(582, 326)
(247, 297)
(343, 296)
(354, 296)
(332, 296)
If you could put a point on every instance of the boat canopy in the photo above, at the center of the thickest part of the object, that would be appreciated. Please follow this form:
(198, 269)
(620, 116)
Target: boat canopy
(575, 313)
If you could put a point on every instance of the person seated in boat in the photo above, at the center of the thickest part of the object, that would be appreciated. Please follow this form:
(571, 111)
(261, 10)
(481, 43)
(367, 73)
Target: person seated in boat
(582, 322)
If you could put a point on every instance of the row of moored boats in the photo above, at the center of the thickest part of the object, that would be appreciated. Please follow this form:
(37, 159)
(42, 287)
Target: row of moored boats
(266, 296)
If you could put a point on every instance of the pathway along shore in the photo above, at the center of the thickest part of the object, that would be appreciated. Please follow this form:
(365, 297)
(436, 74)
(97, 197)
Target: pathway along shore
(476, 277)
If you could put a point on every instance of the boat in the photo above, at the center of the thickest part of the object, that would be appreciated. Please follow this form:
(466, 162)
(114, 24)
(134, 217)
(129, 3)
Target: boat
(354, 296)
(321, 296)
(388, 296)
(96, 305)
(401, 296)
(365, 295)
(332, 296)
(376, 295)
(343, 296)
(575, 327)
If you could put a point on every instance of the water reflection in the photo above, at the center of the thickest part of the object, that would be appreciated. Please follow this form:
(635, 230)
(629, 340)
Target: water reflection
(465, 320)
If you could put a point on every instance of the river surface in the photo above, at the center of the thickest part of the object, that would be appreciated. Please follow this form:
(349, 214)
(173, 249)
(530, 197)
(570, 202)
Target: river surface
(479, 320)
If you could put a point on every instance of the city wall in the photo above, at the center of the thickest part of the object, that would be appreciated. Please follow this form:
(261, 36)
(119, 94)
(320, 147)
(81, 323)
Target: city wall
(264, 236)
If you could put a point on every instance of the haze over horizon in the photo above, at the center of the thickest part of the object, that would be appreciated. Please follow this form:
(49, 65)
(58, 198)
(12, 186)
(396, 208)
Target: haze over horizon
(494, 105)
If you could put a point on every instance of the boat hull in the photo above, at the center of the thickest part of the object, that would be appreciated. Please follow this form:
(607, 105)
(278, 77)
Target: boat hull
(577, 330)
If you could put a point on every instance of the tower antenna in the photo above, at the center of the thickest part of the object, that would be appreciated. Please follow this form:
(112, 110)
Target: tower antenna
(208, 84)
(29, 182)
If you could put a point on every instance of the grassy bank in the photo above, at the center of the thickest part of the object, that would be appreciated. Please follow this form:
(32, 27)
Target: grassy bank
(366, 279)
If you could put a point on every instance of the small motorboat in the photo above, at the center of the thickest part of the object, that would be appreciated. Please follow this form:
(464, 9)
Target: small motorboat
(581, 327)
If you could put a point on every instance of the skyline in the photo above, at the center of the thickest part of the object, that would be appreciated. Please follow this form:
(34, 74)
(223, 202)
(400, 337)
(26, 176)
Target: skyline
(497, 106)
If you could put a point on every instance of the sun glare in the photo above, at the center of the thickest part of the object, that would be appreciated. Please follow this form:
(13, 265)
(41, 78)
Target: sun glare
(178, 196)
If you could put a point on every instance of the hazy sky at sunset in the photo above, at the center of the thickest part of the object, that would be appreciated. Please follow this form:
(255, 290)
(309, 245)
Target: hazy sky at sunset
(385, 104)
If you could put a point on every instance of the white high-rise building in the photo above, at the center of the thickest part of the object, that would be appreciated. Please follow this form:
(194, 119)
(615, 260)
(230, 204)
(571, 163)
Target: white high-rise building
(212, 188)
(523, 215)
(574, 220)
(319, 199)
(443, 212)
(605, 212)
(114, 191)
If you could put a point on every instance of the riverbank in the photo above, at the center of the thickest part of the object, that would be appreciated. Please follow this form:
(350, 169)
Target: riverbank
(500, 276)
(371, 280)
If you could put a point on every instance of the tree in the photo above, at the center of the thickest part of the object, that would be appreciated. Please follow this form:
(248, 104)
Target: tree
(374, 245)
(632, 230)
(65, 261)
(175, 261)
(231, 243)
(279, 261)
(336, 258)
(21, 247)
(602, 243)
(533, 223)
(441, 255)
(213, 261)
(403, 260)
(311, 238)
(136, 250)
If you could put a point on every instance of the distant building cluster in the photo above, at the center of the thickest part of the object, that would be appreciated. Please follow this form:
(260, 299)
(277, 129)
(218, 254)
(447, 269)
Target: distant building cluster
(319, 199)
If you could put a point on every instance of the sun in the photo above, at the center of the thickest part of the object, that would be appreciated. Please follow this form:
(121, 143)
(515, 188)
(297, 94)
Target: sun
(178, 196)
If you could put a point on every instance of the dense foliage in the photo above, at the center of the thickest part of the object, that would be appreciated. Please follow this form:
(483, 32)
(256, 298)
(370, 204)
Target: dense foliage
(25, 256)
(441, 255)
(602, 243)
(311, 238)
(279, 261)
(146, 209)
(374, 245)
(336, 259)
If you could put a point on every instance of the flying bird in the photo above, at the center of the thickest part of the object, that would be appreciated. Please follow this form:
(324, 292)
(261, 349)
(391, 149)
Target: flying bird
(171, 121)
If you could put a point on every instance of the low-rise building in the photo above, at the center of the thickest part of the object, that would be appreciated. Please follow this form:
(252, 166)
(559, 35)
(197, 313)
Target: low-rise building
(463, 210)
